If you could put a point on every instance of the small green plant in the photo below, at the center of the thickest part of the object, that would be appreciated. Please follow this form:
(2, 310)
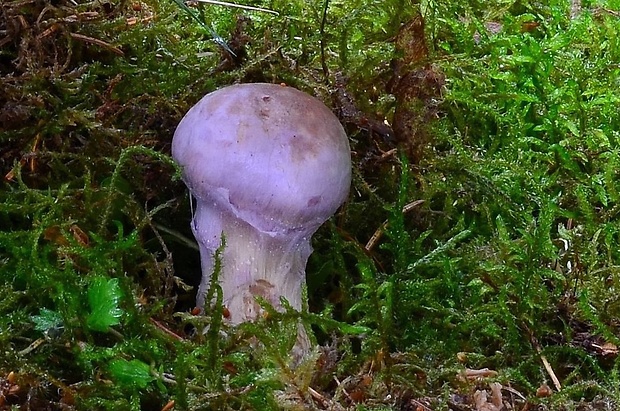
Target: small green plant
(103, 298)
(131, 374)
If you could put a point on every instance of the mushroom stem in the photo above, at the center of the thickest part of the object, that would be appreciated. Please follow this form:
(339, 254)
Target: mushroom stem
(254, 263)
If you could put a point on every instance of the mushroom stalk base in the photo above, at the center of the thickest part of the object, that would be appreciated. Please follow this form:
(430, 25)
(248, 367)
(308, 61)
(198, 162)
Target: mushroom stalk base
(254, 264)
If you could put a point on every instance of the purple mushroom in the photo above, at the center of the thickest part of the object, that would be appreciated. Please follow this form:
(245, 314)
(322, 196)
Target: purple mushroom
(267, 164)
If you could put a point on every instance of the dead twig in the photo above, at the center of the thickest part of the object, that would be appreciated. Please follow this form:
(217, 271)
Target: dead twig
(419, 406)
(101, 43)
(326, 402)
(546, 364)
(379, 232)
(239, 6)
(166, 330)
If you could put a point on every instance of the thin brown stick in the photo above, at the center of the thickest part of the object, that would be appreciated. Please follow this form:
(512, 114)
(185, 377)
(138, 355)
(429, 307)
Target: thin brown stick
(546, 364)
(419, 405)
(101, 43)
(341, 387)
(549, 369)
(379, 232)
(322, 41)
(239, 6)
(166, 330)
(326, 402)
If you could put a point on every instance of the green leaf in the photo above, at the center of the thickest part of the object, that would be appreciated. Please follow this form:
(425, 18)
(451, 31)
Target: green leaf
(46, 320)
(131, 374)
(103, 297)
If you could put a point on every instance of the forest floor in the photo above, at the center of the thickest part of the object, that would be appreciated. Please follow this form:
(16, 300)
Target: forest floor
(475, 265)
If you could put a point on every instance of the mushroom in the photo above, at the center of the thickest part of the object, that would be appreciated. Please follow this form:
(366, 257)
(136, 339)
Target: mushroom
(267, 165)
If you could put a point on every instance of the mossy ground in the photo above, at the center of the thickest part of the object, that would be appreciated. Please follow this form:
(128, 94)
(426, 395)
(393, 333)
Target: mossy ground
(481, 232)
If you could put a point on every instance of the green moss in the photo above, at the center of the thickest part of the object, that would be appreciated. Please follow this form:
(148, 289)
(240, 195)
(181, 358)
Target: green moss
(496, 243)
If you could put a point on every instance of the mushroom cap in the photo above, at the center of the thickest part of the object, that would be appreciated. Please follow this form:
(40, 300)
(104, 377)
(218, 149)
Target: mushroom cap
(272, 155)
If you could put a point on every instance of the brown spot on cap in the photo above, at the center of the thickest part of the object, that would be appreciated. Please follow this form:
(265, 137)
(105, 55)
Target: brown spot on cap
(314, 201)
